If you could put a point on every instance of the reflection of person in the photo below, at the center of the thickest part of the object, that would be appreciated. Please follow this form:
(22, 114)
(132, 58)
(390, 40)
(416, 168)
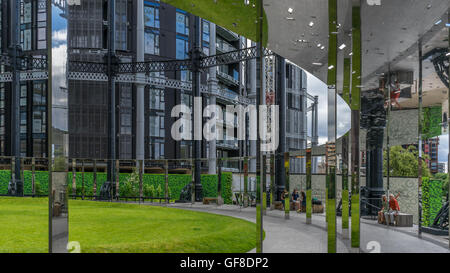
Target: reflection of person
(284, 195)
(303, 199)
(394, 209)
(296, 199)
(295, 195)
(384, 209)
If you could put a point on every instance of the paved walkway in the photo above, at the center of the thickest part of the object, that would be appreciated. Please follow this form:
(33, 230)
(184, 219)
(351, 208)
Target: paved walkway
(295, 236)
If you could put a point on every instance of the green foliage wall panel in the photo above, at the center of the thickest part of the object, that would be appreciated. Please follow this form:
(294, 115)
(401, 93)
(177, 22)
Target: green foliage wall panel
(176, 183)
(432, 119)
(431, 200)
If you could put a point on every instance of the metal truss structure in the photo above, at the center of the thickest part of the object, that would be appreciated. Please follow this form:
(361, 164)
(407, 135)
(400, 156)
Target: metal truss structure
(440, 61)
(159, 82)
(163, 66)
(31, 68)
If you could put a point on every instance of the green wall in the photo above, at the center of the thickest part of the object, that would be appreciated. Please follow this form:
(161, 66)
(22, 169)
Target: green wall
(176, 183)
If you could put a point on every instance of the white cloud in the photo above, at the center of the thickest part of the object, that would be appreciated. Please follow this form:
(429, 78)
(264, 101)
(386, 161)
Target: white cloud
(319, 88)
(59, 36)
(59, 61)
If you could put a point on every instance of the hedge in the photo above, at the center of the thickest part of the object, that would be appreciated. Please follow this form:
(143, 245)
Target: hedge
(176, 183)
(431, 200)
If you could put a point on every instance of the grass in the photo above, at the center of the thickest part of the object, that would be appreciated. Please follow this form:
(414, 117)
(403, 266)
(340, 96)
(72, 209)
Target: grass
(331, 225)
(355, 241)
(233, 15)
(23, 225)
(123, 228)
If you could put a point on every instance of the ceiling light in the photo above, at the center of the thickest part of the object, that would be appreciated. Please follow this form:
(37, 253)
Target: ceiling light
(448, 54)
(319, 64)
(351, 54)
(438, 22)
(319, 45)
(342, 46)
(323, 47)
(290, 18)
(330, 67)
(290, 10)
(311, 24)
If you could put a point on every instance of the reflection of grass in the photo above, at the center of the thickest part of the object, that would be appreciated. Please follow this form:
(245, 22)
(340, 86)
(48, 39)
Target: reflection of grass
(345, 209)
(233, 15)
(23, 225)
(111, 227)
(355, 221)
(331, 215)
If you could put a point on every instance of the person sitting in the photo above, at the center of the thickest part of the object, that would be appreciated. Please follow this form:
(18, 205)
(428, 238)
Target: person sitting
(296, 199)
(384, 209)
(394, 209)
(284, 195)
(303, 202)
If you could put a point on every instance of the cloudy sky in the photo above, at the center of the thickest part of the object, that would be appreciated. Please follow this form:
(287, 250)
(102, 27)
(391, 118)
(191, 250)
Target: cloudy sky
(319, 88)
(59, 60)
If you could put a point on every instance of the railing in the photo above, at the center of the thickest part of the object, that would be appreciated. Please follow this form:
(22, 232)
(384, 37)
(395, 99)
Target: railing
(227, 78)
(224, 46)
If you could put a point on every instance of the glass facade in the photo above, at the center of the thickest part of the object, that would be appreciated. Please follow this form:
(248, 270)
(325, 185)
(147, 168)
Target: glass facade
(151, 23)
(156, 120)
(33, 40)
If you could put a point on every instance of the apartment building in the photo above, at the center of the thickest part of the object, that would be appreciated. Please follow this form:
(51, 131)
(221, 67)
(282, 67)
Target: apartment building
(33, 94)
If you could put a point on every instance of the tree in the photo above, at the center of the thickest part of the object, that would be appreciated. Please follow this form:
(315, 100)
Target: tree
(404, 162)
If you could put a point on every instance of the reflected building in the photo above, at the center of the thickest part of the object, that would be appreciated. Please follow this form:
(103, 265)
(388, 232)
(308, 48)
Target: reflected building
(33, 94)
(168, 35)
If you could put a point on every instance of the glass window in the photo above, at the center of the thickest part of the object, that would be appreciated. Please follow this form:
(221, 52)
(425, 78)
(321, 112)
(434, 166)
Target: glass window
(182, 25)
(182, 48)
(151, 16)
(121, 25)
(151, 42)
(205, 31)
(23, 95)
(157, 99)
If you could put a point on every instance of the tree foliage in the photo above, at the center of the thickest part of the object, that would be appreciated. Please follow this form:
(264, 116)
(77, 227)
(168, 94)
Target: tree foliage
(405, 162)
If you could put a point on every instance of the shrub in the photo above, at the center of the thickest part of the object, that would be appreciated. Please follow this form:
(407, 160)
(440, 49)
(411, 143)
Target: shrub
(128, 184)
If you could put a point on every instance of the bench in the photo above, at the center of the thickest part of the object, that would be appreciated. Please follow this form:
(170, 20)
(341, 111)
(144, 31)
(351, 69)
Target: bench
(404, 220)
(207, 200)
(317, 209)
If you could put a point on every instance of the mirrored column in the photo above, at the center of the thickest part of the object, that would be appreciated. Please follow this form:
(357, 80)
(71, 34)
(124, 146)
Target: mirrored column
(58, 137)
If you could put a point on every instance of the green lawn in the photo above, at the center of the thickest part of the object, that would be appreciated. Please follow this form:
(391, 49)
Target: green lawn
(110, 227)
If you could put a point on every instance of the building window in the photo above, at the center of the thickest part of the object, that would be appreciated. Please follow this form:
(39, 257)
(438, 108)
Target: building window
(121, 25)
(151, 16)
(205, 31)
(182, 48)
(151, 42)
(25, 27)
(157, 99)
(157, 126)
(182, 25)
(42, 25)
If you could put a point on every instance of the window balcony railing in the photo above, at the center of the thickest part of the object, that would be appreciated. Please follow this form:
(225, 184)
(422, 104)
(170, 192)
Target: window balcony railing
(227, 78)
(222, 46)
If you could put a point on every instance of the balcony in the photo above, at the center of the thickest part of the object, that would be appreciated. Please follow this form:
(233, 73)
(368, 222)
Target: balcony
(227, 78)
(227, 34)
(228, 144)
(230, 97)
(223, 46)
